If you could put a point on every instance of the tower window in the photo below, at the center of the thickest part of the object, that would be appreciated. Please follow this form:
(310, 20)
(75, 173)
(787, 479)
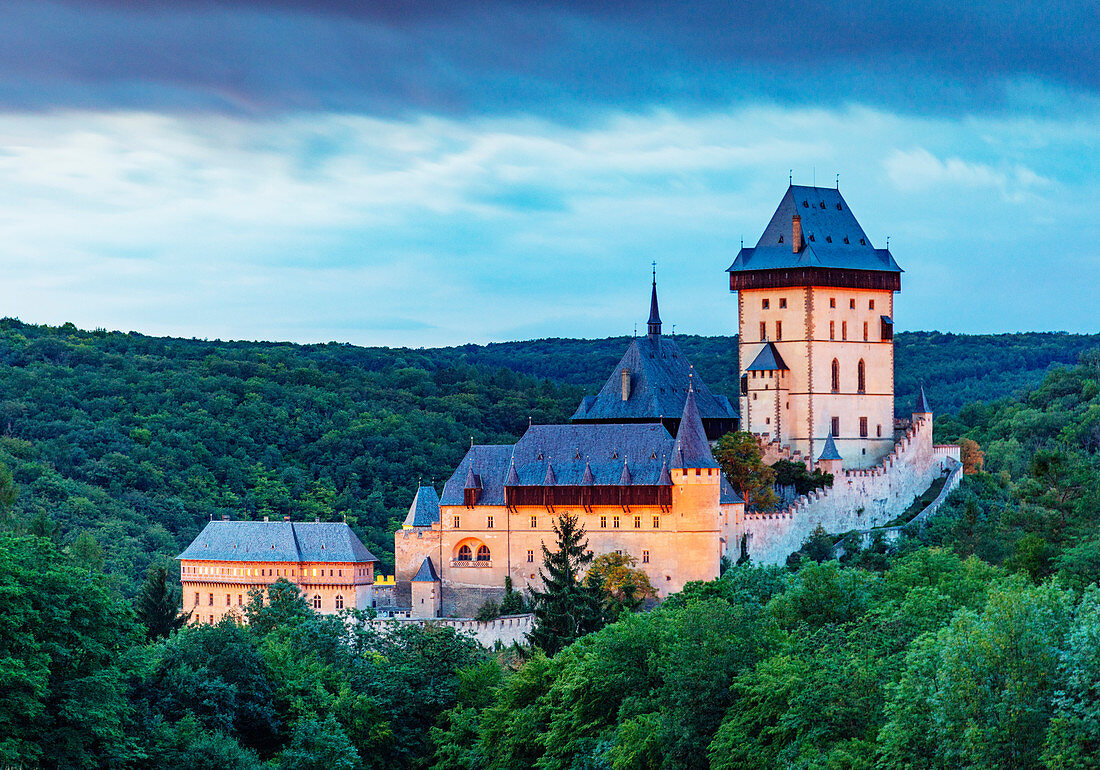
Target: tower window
(852, 303)
(656, 522)
(865, 331)
(836, 426)
(836, 376)
(763, 331)
(530, 555)
(488, 522)
(861, 377)
(764, 304)
(614, 522)
(637, 522)
(844, 330)
(863, 427)
(878, 430)
(778, 331)
(603, 522)
(782, 302)
(534, 522)
(456, 522)
(832, 301)
(339, 602)
(832, 330)
(645, 557)
(870, 304)
(316, 602)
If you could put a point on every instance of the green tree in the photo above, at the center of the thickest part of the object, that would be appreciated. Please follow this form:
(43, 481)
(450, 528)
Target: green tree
(158, 604)
(1073, 740)
(319, 744)
(624, 586)
(738, 454)
(566, 607)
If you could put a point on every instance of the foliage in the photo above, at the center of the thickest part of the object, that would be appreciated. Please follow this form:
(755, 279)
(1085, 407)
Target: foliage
(794, 474)
(624, 586)
(739, 456)
(158, 603)
(566, 607)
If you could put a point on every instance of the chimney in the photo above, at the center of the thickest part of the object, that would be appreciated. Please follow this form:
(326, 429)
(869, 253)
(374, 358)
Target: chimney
(286, 518)
(626, 384)
(224, 517)
(266, 518)
(796, 234)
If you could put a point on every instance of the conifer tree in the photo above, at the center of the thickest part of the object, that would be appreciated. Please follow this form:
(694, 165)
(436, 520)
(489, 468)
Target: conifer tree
(158, 605)
(567, 607)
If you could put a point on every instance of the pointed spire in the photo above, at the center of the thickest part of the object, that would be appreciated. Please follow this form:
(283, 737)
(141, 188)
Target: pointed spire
(654, 314)
(513, 477)
(550, 480)
(473, 481)
(625, 479)
(922, 403)
(588, 479)
(665, 479)
(692, 447)
(424, 510)
(829, 452)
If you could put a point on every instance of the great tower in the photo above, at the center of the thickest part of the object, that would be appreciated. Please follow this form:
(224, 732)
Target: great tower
(815, 308)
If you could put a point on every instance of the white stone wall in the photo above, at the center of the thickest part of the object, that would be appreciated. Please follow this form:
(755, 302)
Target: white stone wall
(506, 629)
(858, 499)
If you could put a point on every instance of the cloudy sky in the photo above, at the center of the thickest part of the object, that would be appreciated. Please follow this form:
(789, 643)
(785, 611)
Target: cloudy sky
(419, 173)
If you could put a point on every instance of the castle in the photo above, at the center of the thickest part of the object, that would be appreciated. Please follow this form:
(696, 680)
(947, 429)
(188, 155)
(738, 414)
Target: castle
(815, 345)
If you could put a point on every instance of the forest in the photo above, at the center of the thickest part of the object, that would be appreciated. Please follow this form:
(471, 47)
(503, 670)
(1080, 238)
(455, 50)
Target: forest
(973, 643)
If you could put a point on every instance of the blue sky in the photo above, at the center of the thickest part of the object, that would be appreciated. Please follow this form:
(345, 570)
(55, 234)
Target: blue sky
(410, 173)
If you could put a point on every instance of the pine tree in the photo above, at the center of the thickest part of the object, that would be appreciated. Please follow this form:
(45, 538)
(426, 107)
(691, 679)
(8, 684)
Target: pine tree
(567, 607)
(158, 604)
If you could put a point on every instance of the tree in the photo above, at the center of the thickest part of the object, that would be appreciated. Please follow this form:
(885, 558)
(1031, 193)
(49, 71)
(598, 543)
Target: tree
(158, 604)
(738, 454)
(973, 458)
(567, 607)
(319, 744)
(624, 587)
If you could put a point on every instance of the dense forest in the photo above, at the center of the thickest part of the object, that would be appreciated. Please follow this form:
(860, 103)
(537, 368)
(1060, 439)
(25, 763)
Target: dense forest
(973, 643)
(130, 443)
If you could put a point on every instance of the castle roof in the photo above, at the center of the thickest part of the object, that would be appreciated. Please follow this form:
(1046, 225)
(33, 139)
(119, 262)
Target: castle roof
(922, 403)
(426, 573)
(659, 373)
(583, 455)
(424, 510)
(728, 493)
(692, 450)
(830, 452)
(654, 323)
(277, 541)
(768, 360)
(832, 238)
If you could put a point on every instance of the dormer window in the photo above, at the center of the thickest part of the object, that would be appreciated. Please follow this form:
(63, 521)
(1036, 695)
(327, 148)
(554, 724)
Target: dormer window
(828, 239)
(805, 204)
(846, 239)
(781, 239)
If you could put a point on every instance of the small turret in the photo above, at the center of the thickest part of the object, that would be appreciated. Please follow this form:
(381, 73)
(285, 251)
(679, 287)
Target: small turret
(692, 450)
(922, 404)
(830, 460)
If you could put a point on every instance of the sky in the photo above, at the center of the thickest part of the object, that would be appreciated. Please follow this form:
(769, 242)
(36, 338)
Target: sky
(413, 173)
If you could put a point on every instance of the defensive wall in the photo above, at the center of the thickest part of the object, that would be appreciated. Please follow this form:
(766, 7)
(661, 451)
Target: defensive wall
(507, 629)
(860, 499)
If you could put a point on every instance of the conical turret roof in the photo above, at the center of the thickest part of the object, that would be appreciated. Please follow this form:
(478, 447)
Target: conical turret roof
(692, 448)
(424, 510)
(654, 323)
(830, 452)
(625, 479)
(588, 479)
(922, 403)
(550, 480)
(473, 481)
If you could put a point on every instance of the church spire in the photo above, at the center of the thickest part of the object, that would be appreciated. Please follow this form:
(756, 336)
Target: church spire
(654, 314)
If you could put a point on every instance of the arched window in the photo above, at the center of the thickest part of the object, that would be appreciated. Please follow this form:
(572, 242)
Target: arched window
(339, 602)
(483, 553)
(836, 376)
(464, 553)
(316, 602)
(862, 376)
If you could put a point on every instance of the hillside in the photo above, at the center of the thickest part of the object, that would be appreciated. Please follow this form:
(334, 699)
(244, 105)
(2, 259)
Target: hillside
(138, 440)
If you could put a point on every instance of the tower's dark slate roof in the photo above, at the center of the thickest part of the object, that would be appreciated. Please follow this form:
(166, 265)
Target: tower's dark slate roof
(654, 323)
(424, 510)
(549, 480)
(601, 448)
(426, 573)
(831, 236)
(922, 403)
(692, 450)
(728, 493)
(659, 374)
(768, 360)
(830, 452)
(278, 541)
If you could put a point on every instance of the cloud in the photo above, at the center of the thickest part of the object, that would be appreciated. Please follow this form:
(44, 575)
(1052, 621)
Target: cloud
(918, 169)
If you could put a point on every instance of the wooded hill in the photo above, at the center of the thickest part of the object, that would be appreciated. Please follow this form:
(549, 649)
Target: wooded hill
(122, 445)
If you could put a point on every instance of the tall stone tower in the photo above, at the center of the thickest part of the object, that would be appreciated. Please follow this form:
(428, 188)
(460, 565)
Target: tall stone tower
(815, 308)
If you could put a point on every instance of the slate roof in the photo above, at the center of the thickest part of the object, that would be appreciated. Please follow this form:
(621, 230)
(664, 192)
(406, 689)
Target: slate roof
(831, 236)
(768, 360)
(728, 493)
(654, 323)
(659, 374)
(277, 541)
(601, 448)
(426, 573)
(830, 452)
(424, 510)
(692, 450)
(922, 403)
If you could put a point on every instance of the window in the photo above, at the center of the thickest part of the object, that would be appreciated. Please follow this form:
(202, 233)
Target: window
(456, 522)
(211, 603)
(836, 426)
(603, 522)
(464, 553)
(534, 522)
(488, 522)
(614, 522)
(832, 301)
(844, 330)
(863, 427)
(836, 376)
(778, 330)
(530, 555)
(483, 553)
(783, 302)
(211, 620)
(196, 598)
(832, 330)
(852, 303)
(656, 522)
(240, 600)
(339, 602)
(861, 376)
(763, 331)
(645, 557)
(878, 431)
(316, 602)
(637, 522)
(887, 329)
(871, 304)
(764, 304)
(339, 573)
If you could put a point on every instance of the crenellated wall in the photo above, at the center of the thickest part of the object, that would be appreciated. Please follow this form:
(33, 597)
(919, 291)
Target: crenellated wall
(507, 629)
(858, 499)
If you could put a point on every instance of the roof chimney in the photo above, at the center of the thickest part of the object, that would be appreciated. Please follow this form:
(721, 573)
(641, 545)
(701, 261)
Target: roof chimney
(626, 384)
(225, 517)
(266, 518)
(796, 233)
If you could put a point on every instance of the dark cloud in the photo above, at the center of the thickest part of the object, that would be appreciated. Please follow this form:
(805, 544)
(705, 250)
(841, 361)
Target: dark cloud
(557, 59)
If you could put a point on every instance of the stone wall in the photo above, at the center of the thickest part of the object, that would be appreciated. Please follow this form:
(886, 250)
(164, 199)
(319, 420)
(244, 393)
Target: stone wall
(463, 601)
(858, 499)
(507, 630)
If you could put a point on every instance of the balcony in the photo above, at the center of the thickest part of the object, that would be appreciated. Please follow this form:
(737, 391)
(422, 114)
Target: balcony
(469, 563)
